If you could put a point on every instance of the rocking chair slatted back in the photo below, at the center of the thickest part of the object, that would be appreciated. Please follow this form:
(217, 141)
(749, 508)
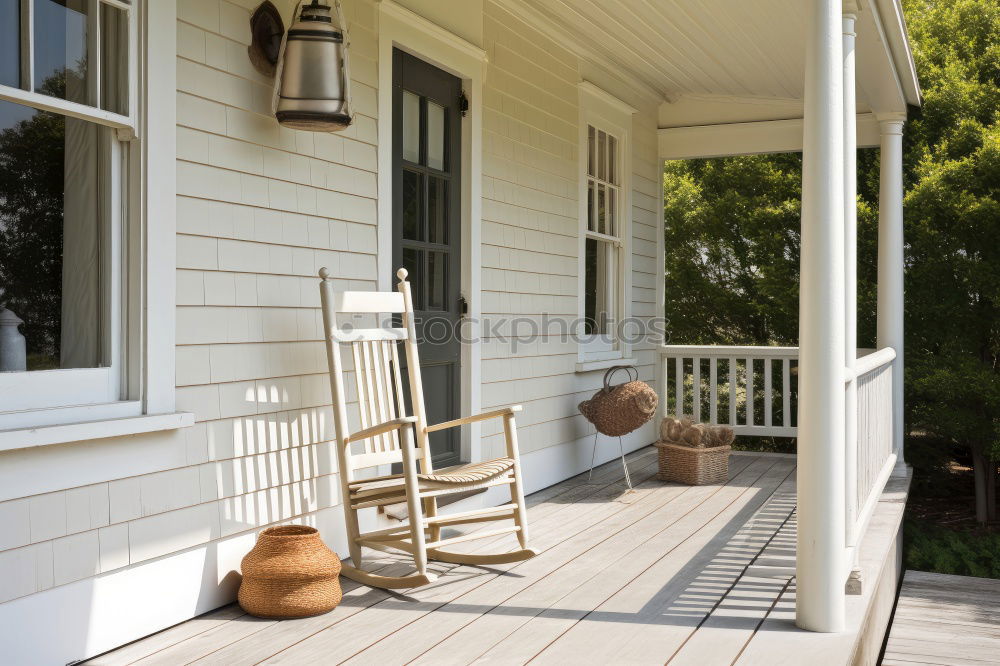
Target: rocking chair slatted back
(374, 354)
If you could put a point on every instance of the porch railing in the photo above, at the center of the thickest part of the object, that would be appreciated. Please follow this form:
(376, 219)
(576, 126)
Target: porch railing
(752, 389)
(874, 458)
(755, 391)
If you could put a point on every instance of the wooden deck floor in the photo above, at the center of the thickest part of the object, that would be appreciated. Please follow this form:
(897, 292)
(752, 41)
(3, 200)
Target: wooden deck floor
(666, 573)
(944, 619)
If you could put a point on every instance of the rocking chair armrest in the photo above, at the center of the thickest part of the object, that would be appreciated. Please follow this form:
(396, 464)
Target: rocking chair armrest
(512, 409)
(382, 428)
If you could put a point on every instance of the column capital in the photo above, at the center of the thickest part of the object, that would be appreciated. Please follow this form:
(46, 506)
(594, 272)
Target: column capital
(847, 21)
(891, 123)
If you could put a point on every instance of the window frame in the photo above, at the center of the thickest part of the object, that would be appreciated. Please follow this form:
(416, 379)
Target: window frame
(604, 112)
(139, 381)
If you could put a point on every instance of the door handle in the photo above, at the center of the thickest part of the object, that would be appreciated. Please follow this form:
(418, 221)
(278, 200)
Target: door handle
(463, 306)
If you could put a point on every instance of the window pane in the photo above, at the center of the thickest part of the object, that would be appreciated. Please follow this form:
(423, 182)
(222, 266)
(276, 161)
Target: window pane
(436, 280)
(414, 266)
(600, 280)
(54, 234)
(114, 59)
(435, 135)
(602, 155)
(612, 160)
(612, 218)
(590, 151)
(60, 46)
(591, 207)
(437, 213)
(10, 43)
(411, 127)
(601, 210)
(412, 207)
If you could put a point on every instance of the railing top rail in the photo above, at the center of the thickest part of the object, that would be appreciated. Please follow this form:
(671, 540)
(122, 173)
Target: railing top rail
(874, 361)
(726, 351)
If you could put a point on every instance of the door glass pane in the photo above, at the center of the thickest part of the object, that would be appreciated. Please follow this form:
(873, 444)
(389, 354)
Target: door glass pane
(414, 266)
(10, 43)
(435, 135)
(602, 155)
(411, 127)
(412, 195)
(590, 151)
(437, 210)
(436, 276)
(114, 59)
(60, 38)
(601, 220)
(591, 207)
(54, 232)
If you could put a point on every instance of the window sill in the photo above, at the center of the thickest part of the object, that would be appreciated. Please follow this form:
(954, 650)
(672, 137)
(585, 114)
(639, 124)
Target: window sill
(26, 438)
(604, 364)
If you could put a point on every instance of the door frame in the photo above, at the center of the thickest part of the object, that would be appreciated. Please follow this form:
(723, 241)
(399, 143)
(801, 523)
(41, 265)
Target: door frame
(403, 29)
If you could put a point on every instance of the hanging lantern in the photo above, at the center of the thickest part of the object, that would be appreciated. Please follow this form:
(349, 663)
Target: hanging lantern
(312, 85)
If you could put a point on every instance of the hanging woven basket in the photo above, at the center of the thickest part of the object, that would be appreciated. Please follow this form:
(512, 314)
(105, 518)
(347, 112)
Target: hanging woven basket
(618, 410)
(290, 573)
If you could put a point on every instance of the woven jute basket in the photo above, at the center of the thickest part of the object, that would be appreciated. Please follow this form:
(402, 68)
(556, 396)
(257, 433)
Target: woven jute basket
(618, 410)
(693, 466)
(290, 573)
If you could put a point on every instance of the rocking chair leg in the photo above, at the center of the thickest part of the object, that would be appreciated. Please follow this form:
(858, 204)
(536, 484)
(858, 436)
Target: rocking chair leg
(516, 488)
(414, 505)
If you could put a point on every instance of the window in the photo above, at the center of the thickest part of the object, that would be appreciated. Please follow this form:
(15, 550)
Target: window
(603, 244)
(604, 225)
(68, 163)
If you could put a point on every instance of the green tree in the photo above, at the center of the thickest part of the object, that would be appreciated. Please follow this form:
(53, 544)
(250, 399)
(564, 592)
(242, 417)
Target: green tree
(952, 208)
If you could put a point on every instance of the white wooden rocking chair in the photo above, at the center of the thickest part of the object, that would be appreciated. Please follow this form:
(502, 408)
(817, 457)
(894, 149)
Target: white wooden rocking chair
(388, 437)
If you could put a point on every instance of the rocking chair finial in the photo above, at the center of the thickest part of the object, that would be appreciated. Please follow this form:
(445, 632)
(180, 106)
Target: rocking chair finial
(324, 273)
(401, 274)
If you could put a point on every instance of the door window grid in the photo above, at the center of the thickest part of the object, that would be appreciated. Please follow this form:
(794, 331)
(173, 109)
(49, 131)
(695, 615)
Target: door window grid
(425, 189)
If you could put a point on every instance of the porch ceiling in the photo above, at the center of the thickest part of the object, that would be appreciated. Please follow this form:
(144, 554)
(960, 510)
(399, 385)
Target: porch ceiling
(720, 61)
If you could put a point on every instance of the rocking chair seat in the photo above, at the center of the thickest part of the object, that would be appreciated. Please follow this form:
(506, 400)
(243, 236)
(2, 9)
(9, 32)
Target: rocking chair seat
(459, 477)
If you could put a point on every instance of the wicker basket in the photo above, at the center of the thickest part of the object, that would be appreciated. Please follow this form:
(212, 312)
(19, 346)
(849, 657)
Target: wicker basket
(290, 573)
(693, 466)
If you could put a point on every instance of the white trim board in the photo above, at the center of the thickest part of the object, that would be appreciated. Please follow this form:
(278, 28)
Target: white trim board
(767, 136)
(401, 28)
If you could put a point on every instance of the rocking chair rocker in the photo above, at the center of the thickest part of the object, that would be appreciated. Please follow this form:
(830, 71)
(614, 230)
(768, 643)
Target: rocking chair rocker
(387, 435)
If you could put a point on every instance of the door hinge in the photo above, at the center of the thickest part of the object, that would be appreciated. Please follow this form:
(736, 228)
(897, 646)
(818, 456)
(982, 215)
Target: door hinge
(463, 103)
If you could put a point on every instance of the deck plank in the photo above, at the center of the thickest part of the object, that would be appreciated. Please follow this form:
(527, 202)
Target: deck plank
(646, 620)
(944, 619)
(588, 570)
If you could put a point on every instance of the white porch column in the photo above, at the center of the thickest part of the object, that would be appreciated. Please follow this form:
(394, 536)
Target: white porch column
(889, 324)
(820, 573)
(850, 274)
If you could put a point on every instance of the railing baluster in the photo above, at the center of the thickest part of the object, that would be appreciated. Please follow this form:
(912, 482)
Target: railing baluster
(749, 375)
(679, 383)
(696, 389)
(732, 391)
(713, 390)
(767, 392)
(786, 393)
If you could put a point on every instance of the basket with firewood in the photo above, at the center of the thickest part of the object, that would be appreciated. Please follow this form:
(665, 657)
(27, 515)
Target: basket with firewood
(694, 453)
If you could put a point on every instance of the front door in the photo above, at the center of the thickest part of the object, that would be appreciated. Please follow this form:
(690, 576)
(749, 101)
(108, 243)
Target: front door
(426, 223)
